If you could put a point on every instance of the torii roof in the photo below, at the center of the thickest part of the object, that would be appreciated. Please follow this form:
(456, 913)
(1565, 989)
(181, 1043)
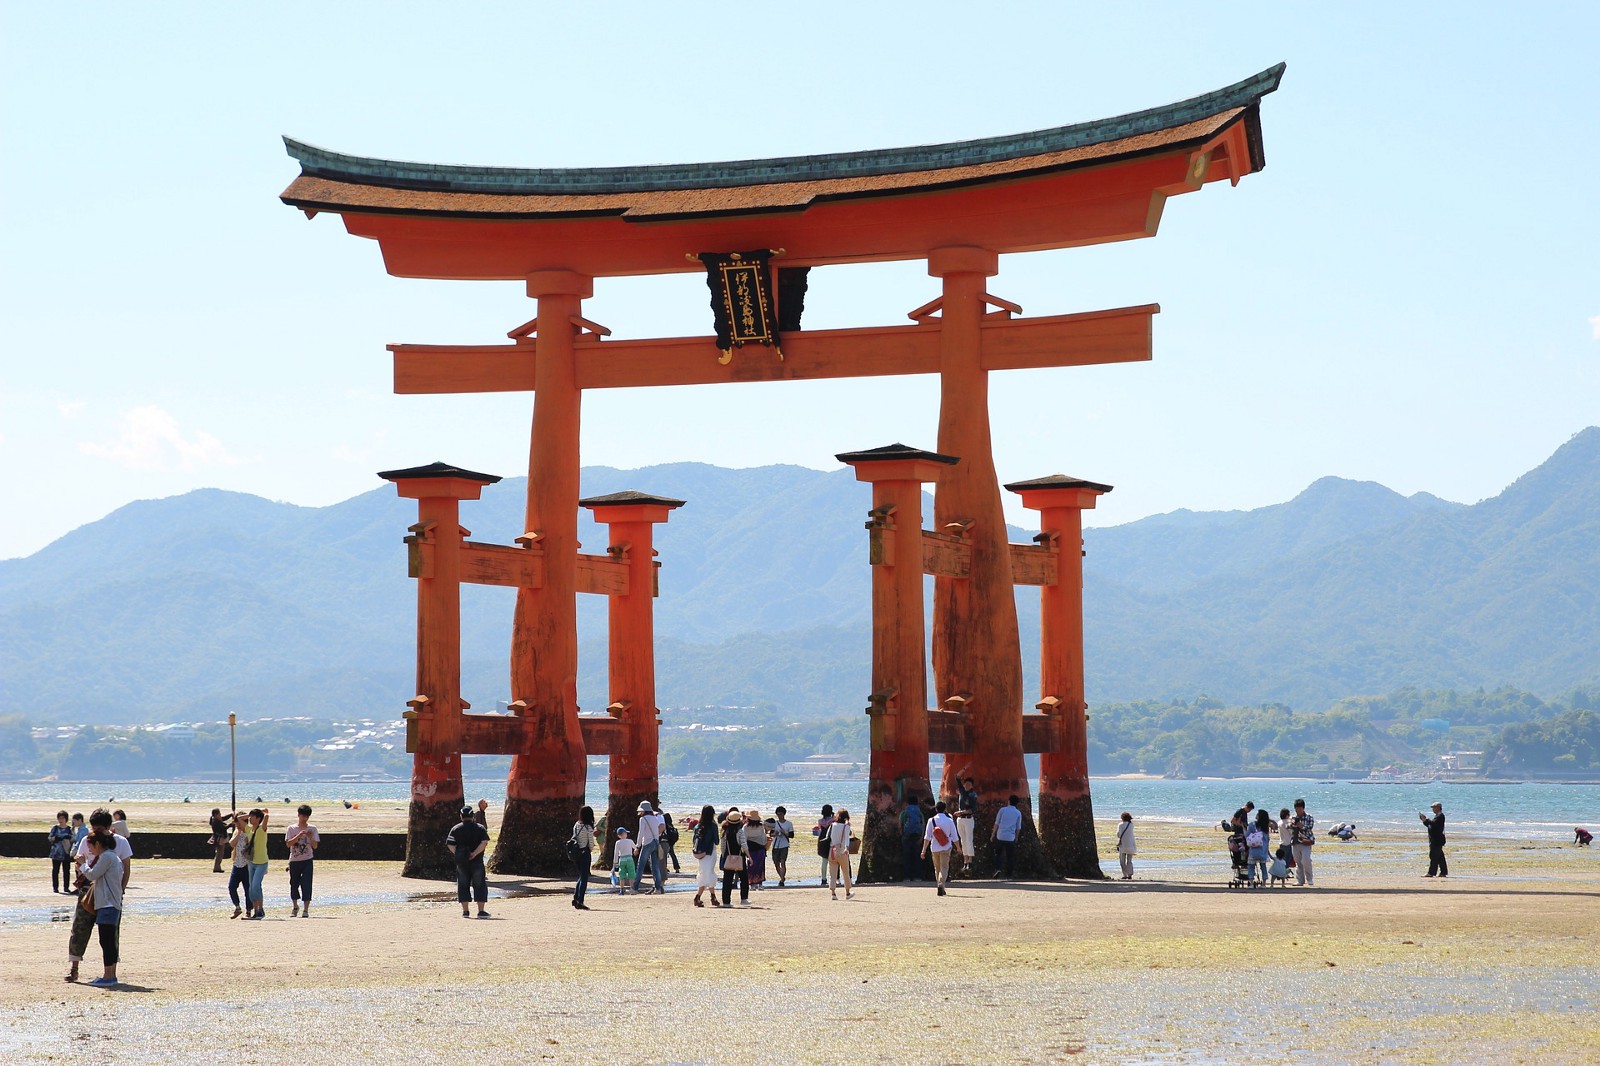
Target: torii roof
(1221, 128)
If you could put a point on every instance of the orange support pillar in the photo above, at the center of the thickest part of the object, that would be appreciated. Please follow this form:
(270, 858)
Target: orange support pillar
(976, 651)
(635, 775)
(899, 702)
(545, 787)
(434, 722)
(1066, 814)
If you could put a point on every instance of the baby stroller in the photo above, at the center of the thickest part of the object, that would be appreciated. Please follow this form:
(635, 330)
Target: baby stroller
(1238, 855)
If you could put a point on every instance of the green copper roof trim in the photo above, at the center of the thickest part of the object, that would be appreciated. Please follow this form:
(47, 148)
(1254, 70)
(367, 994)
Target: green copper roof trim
(321, 163)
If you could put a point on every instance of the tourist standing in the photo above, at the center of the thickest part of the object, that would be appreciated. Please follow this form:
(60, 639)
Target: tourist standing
(1303, 833)
(967, 819)
(1258, 842)
(705, 855)
(104, 874)
(119, 824)
(582, 855)
(839, 854)
(61, 854)
(467, 843)
(669, 841)
(735, 857)
(782, 835)
(1286, 837)
(820, 831)
(239, 878)
(623, 868)
(303, 840)
(79, 831)
(755, 842)
(481, 815)
(939, 839)
(219, 839)
(1007, 825)
(1436, 864)
(259, 817)
(83, 921)
(911, 829)
(649, 841)
(1126, 848)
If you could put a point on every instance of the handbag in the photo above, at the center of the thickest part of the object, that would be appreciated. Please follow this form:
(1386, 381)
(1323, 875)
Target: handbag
(733, 861)
(86, 901)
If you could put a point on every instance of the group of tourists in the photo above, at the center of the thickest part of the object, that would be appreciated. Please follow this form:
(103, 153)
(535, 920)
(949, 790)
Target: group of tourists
(248, 846)
(1256, 862)
(101, 861)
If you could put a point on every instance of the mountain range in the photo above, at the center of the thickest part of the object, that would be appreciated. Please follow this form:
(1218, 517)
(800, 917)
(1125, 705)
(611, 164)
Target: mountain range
(190, 607)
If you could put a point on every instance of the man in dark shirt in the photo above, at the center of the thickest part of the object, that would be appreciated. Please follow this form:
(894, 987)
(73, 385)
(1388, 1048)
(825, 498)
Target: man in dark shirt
(1437, 867)
(467, 842)
(911, 840)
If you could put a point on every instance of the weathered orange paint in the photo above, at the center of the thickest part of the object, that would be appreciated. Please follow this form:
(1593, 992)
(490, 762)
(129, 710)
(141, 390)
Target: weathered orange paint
(436, 789)
(546, 784)
(898, 764)
(1066, 813)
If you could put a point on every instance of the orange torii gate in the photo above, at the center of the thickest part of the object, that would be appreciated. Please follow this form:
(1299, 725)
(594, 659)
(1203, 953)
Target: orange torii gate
(957, 206)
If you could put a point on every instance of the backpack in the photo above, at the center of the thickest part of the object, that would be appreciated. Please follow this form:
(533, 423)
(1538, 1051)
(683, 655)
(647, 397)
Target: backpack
(824, 846)
(911, 822)
(672, 833)
(1255, 839)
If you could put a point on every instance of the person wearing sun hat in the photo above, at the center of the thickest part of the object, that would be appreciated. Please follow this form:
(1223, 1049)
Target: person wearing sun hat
(652, 828)
(623, 868)
(735, 858)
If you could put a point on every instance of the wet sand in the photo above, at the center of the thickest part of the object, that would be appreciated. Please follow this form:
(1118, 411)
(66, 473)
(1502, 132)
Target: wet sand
(1373, 965)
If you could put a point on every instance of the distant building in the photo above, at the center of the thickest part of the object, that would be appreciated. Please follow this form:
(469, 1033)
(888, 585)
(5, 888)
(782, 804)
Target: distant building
(835, 765)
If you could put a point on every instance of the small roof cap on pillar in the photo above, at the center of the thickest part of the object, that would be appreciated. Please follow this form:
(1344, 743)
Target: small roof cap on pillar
(629, 497)
(437, 469)
(890, 452)
(1057, 481)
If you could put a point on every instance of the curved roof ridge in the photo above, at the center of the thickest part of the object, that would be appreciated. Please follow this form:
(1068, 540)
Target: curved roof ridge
(319, 162)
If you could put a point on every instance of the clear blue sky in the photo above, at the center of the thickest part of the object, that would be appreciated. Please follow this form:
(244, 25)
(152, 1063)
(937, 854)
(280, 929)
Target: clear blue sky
(1407, 294)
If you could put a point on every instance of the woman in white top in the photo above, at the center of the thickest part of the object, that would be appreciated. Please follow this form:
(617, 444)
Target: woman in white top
(1126, 848)
(839, 854)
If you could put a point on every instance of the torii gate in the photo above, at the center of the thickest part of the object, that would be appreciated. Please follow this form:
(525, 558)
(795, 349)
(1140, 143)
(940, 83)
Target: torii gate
(957, 206)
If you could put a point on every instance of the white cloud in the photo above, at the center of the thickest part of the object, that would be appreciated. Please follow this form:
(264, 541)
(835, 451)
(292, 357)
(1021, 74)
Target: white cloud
(151, 439)
(71, 409)
(1594, 324)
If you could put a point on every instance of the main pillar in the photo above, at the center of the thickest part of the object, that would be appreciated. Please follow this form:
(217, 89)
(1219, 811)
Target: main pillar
(1066, 815)
(976, 650)
(635, 773)
(434, 721)
(545, 787)
(899, 702)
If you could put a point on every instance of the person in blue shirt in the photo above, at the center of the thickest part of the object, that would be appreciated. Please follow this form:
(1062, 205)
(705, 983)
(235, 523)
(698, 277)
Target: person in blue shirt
(61, 854)
(1007, 825)
(911, 824)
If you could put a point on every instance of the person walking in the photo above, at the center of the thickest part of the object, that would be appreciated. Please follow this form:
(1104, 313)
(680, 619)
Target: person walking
(1007, 825)
(83, 919)
(755, 842)
(939, 839)
(258, 861)
(219, 839)
(735, 858)
(1126, 848)
(820, 831)
(839, 854)
(239, 878)
(582, 855)
(1303, 833)
(303, 840)
(651, 829)
(704, 836)
(467, 843)
(782, 833)
(1436, 864)
(911, 833)
(104, 875)
(61, 854)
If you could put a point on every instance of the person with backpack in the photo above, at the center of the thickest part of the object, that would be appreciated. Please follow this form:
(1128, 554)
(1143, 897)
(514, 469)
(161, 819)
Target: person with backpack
(939, 838)
(820, 831)
(911, 833)
(1126, 848)
(669, 843)
(1257, 841)
(1303, 832)
(580, 849)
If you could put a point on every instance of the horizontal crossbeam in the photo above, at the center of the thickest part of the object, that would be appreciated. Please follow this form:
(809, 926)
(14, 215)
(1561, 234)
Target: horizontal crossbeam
(1120, 335)
(500, 564)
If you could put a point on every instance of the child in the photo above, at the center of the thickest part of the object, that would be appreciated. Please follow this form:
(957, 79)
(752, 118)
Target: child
(622, 869)
(60, 854)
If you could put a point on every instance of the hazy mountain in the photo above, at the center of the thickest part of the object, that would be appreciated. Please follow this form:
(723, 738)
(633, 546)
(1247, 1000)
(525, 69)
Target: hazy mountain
(217, 601)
